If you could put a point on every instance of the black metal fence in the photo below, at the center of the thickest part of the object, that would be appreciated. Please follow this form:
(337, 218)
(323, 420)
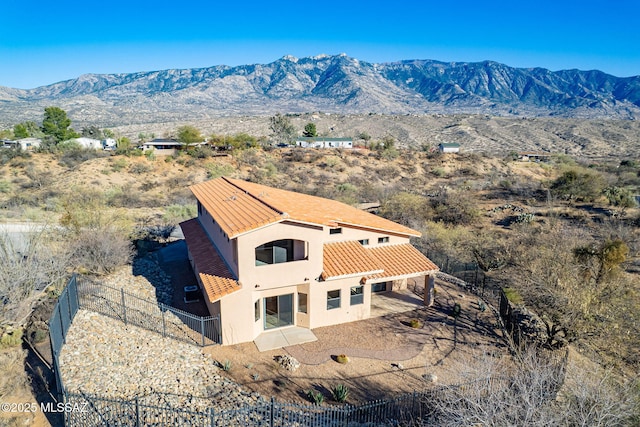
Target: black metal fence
(59, 323)
(151, 315)
(405, 409)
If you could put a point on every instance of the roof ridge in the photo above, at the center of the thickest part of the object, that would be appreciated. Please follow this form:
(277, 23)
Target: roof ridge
(270, 206)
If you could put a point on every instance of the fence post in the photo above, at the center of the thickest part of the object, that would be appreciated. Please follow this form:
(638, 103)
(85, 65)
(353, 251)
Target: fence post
(75, 282)
(137, 413)
(64, 333)
(124, 307)
(272, 415)
(202, 329)
(164, 328)
(212, 416)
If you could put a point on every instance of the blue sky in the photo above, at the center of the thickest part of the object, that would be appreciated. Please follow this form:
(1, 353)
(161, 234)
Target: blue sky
(43, 42)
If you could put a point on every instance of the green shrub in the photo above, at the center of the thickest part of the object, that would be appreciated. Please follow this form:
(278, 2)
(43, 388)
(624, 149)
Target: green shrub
(5, 186)
(315, 397)
(178, 213)
(226, 366)
(513, 296)
(216, 170)
(11, 338)
(415, 323)
(340, 393)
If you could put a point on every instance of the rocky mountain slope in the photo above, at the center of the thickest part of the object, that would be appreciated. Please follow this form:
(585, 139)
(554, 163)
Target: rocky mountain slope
(329, 84)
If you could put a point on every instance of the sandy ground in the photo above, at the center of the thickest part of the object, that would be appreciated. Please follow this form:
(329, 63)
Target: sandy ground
(386, 354)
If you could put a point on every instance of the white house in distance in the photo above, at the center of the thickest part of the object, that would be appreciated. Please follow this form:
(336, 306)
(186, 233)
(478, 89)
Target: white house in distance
(25, 144)
(268, 258)
(89, 143)
(322, 142)
(449, 147)
(167, 147)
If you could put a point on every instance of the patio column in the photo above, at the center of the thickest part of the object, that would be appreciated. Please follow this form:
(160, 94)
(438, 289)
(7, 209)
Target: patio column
(429, 290)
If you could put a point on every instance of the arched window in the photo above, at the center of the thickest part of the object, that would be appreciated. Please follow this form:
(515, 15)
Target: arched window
(278, 251)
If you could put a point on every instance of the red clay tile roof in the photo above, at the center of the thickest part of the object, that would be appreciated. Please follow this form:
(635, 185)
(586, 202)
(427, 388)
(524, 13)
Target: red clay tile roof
(400, 260)
(343, 259)
(240, 206)
(216, 278)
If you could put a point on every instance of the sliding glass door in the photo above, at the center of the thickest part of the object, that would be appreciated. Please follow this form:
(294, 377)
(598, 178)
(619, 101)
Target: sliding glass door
(278, 311)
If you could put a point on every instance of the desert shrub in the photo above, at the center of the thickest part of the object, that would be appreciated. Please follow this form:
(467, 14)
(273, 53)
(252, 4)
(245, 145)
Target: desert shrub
(140, 168)
(118, 164)
(249, 157)
(216, 170)
(5, 186)
(340, 393)
(174, 214)
(513, 296)
(8, 155)
(405, 208)
(100, 251)
(315, 397)
(438, 172)
(415, 323)
(578, 184)
(201, 152)
(11, 338)
(72, 155)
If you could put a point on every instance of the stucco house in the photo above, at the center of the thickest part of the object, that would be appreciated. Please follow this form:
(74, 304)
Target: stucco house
(268, 258)
(322, 142)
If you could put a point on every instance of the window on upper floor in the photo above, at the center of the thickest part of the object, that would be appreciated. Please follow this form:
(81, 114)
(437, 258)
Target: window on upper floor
(279, 251)
(335, 230)
(383, 239)
(364, 242)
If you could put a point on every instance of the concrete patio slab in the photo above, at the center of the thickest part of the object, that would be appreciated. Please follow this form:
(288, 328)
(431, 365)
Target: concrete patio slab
(283, 337)
(394, 302)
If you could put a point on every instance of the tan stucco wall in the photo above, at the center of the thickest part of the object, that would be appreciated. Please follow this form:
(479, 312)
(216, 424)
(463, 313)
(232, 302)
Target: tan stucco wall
(287, 273)
(320, 316)
(358, 234)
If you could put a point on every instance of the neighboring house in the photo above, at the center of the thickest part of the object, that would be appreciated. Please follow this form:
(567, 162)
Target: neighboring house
(449, 147)
(528, 156)
(167, 147)
(89, 143)
(25, 144)
(109, 144)
(321, 142)
(268, 258)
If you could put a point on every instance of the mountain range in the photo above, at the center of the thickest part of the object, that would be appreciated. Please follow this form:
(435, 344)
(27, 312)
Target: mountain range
(333, 84)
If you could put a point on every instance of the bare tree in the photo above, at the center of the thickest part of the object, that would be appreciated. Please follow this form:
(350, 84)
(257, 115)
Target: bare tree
(29, 262)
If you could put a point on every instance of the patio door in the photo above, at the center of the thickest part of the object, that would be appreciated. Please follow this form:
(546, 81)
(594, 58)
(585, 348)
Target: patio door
(278, 311)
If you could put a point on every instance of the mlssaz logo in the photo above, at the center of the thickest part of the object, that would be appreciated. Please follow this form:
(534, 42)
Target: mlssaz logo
(51, 407)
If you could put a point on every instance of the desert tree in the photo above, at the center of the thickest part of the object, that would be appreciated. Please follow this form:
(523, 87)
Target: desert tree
(56, 124)
(602, 260)
(310, 130)
(189, 134)
(282, 129)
